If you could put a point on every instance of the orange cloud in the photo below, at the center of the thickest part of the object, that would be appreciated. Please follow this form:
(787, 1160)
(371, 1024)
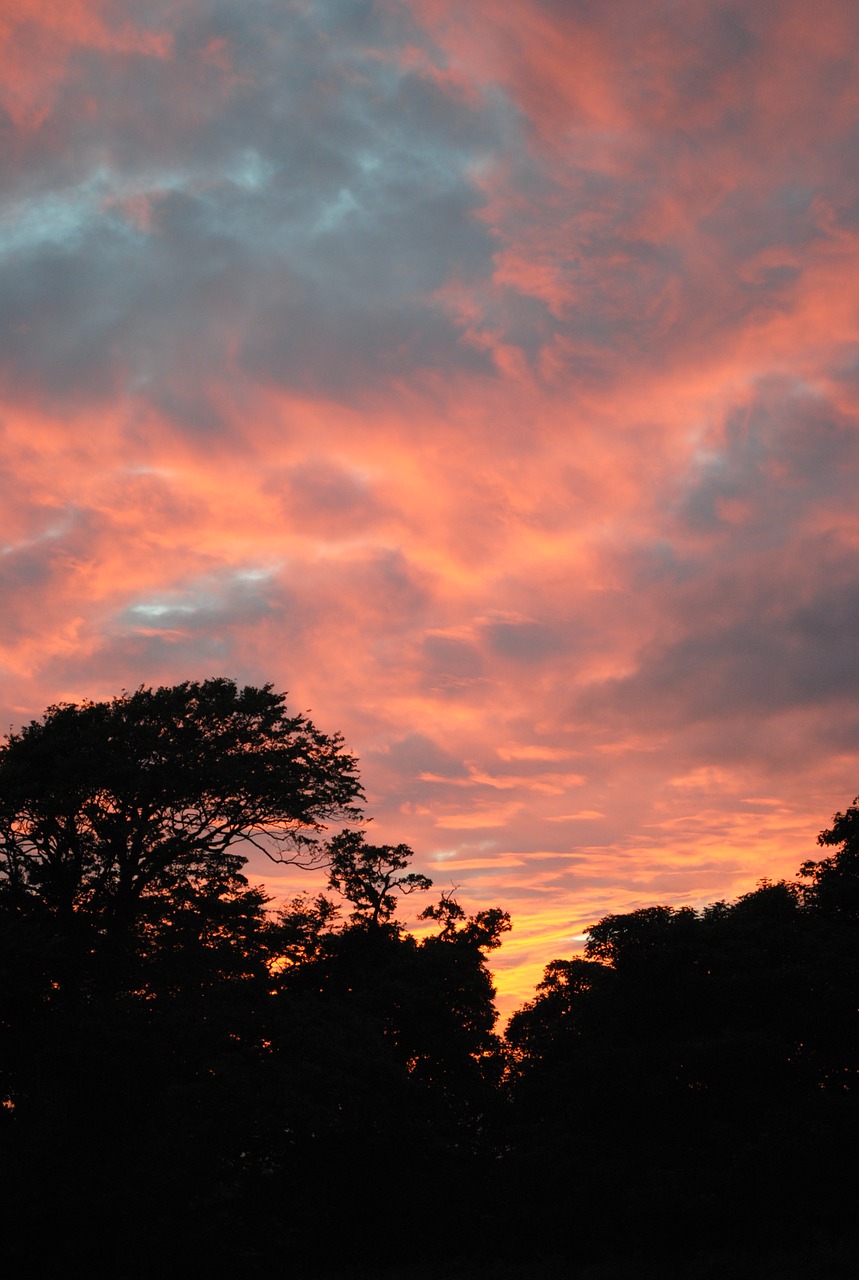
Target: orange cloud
(488, 380)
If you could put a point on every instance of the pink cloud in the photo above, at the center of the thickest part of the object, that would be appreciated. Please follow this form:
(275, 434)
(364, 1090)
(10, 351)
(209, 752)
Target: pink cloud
(488, 380)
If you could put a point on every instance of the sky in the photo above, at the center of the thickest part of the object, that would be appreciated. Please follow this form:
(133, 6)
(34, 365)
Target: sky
(486, 376)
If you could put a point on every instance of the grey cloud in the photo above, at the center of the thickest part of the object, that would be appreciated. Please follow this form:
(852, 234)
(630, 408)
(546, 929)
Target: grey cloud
(525, 642)
(327, 499)
(782, 455)
(310, 198)
(789, 648)
(374, 597)
(659, 563)
(27, 568)
(347, 351)
(312, 204)
(224, 600)
(388, 586)
(757, 605)
(58, 321)
(414, 754)
(750, 219)
(59, 537)
(450, 665)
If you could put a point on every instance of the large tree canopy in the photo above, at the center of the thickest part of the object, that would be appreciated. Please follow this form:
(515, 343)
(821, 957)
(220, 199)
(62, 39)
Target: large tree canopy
(104, 804)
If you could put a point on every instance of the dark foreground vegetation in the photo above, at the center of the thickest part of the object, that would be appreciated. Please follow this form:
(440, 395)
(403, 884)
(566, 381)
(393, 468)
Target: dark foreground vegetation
(193, 1085)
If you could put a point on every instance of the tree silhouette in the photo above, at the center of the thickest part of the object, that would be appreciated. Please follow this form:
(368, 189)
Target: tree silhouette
(383, 1070)
(166, 1044)
(701, 1065)
(834, 887)
(105, 806)
(135, 955)
(367, 875)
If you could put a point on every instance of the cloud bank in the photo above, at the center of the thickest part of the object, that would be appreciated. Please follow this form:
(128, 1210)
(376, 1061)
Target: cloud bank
(489, 381)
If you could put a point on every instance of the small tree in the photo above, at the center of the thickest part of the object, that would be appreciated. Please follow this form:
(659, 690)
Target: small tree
(368, 876)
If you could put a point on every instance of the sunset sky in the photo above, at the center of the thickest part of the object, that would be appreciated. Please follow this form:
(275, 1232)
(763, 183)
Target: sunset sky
(486, 376)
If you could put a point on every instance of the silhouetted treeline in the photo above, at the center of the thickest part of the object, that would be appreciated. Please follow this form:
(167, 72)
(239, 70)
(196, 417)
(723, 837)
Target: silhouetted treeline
(191, 1084)
(691, 1082)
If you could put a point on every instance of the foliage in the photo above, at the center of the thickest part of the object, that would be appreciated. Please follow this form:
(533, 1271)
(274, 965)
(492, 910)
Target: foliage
(105, 806)
(367, 876)
(170, 1050)
(834, 887)
(165, 1042)
(701, 1064)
